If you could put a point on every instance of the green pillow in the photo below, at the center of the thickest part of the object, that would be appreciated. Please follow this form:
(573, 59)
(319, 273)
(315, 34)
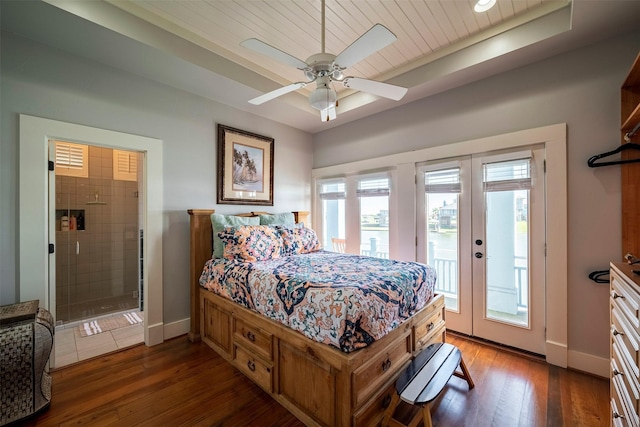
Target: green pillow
(285, 218)
(219, 222)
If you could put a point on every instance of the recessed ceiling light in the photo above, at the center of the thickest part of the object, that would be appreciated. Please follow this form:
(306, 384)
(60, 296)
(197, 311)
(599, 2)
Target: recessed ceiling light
(484, 5)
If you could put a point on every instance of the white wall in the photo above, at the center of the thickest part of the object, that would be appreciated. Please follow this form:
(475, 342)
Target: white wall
(581, 88)
(45, 82)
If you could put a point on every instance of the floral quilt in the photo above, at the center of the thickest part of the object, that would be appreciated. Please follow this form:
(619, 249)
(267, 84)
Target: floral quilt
(347, 301)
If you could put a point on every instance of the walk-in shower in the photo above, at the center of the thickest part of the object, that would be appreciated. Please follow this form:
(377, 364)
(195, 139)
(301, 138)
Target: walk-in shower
(98, 214)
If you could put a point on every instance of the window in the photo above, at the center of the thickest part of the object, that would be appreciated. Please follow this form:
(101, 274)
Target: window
(373, 195)
(125, 165)
(71, 159)
(332, 196)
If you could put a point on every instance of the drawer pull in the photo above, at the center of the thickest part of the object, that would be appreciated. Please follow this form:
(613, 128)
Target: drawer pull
(386, 365)
(386, 401)
(251, 337)
(616, 372)
(251, 365)
(430, 326)
(615, 295)
(617, 415)
(616, 332)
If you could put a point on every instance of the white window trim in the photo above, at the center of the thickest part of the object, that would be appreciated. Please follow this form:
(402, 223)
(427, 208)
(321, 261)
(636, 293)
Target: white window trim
(554, 138)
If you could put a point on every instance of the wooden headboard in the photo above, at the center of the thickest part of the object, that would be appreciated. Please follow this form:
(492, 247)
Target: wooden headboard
(201, 248)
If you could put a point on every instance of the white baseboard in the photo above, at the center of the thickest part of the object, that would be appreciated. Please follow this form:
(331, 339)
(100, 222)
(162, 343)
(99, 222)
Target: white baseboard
(154, 334)
(556, 354)
(588, 363)
(175, 329)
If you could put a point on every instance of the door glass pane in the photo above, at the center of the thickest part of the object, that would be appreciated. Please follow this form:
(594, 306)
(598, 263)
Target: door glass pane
(374, 217)
(507, 241)
(332, 195)
(441, 210)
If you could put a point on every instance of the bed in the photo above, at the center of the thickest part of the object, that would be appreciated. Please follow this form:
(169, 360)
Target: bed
(341, 376)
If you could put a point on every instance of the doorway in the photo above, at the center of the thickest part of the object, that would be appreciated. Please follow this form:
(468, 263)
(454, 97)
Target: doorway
(482, 226)
(37, 223)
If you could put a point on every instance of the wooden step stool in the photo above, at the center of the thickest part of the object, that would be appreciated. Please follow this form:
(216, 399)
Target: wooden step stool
(423, 380)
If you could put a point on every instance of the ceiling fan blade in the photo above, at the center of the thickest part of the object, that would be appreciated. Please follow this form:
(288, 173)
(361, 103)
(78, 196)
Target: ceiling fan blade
(276, 93)
(274, 53)
(328, 114)
(370, 42)
(376, 88)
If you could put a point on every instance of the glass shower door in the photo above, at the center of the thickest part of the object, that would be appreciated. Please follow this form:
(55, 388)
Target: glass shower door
(98, 236)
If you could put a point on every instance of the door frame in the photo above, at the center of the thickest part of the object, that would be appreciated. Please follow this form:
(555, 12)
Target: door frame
(554, 138)
(36, 223)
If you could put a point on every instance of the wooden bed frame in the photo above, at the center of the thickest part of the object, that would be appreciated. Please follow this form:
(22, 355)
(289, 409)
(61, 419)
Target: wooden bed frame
(319, 384)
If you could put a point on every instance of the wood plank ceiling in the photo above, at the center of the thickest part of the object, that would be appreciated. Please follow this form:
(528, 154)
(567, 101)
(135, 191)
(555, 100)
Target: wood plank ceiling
(426, 29)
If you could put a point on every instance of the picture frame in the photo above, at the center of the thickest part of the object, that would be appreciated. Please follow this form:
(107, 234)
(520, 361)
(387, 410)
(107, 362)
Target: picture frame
(245, 167)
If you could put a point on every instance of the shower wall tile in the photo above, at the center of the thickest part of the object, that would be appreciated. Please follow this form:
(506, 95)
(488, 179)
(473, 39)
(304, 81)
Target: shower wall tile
(108, 262)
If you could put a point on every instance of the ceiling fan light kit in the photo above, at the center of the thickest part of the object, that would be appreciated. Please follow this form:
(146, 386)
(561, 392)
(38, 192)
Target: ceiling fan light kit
(324, 96)
(325, 68)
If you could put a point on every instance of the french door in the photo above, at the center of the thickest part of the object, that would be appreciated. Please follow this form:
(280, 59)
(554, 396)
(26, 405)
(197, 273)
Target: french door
(481, 225)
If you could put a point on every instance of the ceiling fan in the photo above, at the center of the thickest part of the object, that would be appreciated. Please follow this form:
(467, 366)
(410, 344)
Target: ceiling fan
(325, 68)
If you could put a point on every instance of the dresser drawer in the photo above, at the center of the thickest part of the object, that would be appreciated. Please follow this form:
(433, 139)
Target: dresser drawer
(253, 338)
(617, 415)
(625, 411)
(257, 370)
(428, 331)
(626, 338)
(378, 371)
(372, 413)
(626, 300)
(627, 383)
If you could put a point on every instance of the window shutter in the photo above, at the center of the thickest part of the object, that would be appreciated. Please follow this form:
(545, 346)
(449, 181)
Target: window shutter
(508, 175)
(71, 159)
(125, 165)
(443, 181)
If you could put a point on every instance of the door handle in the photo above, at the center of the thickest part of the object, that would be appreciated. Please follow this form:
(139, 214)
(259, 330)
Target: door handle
(77, 248)
(478, 254)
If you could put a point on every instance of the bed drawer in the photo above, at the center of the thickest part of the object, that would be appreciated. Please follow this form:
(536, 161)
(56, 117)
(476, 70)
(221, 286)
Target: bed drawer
(253, 338)
(428, 331)
(368, 378)
(255, 368)
(371, 414)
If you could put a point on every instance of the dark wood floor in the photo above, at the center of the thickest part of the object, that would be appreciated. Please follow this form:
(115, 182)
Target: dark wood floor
(179, 383)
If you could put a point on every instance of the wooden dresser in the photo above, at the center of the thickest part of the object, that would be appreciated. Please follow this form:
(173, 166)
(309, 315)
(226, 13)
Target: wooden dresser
(624, 301)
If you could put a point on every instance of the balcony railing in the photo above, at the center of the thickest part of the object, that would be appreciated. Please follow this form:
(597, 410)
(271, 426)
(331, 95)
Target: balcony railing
(447, 282)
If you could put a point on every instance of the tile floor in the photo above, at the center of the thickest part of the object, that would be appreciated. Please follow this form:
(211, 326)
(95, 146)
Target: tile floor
(70, 347)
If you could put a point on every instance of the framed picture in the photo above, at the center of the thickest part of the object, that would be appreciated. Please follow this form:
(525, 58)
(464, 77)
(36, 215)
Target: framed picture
(245, 167)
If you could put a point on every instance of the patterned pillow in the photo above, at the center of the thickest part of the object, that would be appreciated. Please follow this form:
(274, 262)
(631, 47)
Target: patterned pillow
(251, 243)
(219, 222)
(298, 240)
